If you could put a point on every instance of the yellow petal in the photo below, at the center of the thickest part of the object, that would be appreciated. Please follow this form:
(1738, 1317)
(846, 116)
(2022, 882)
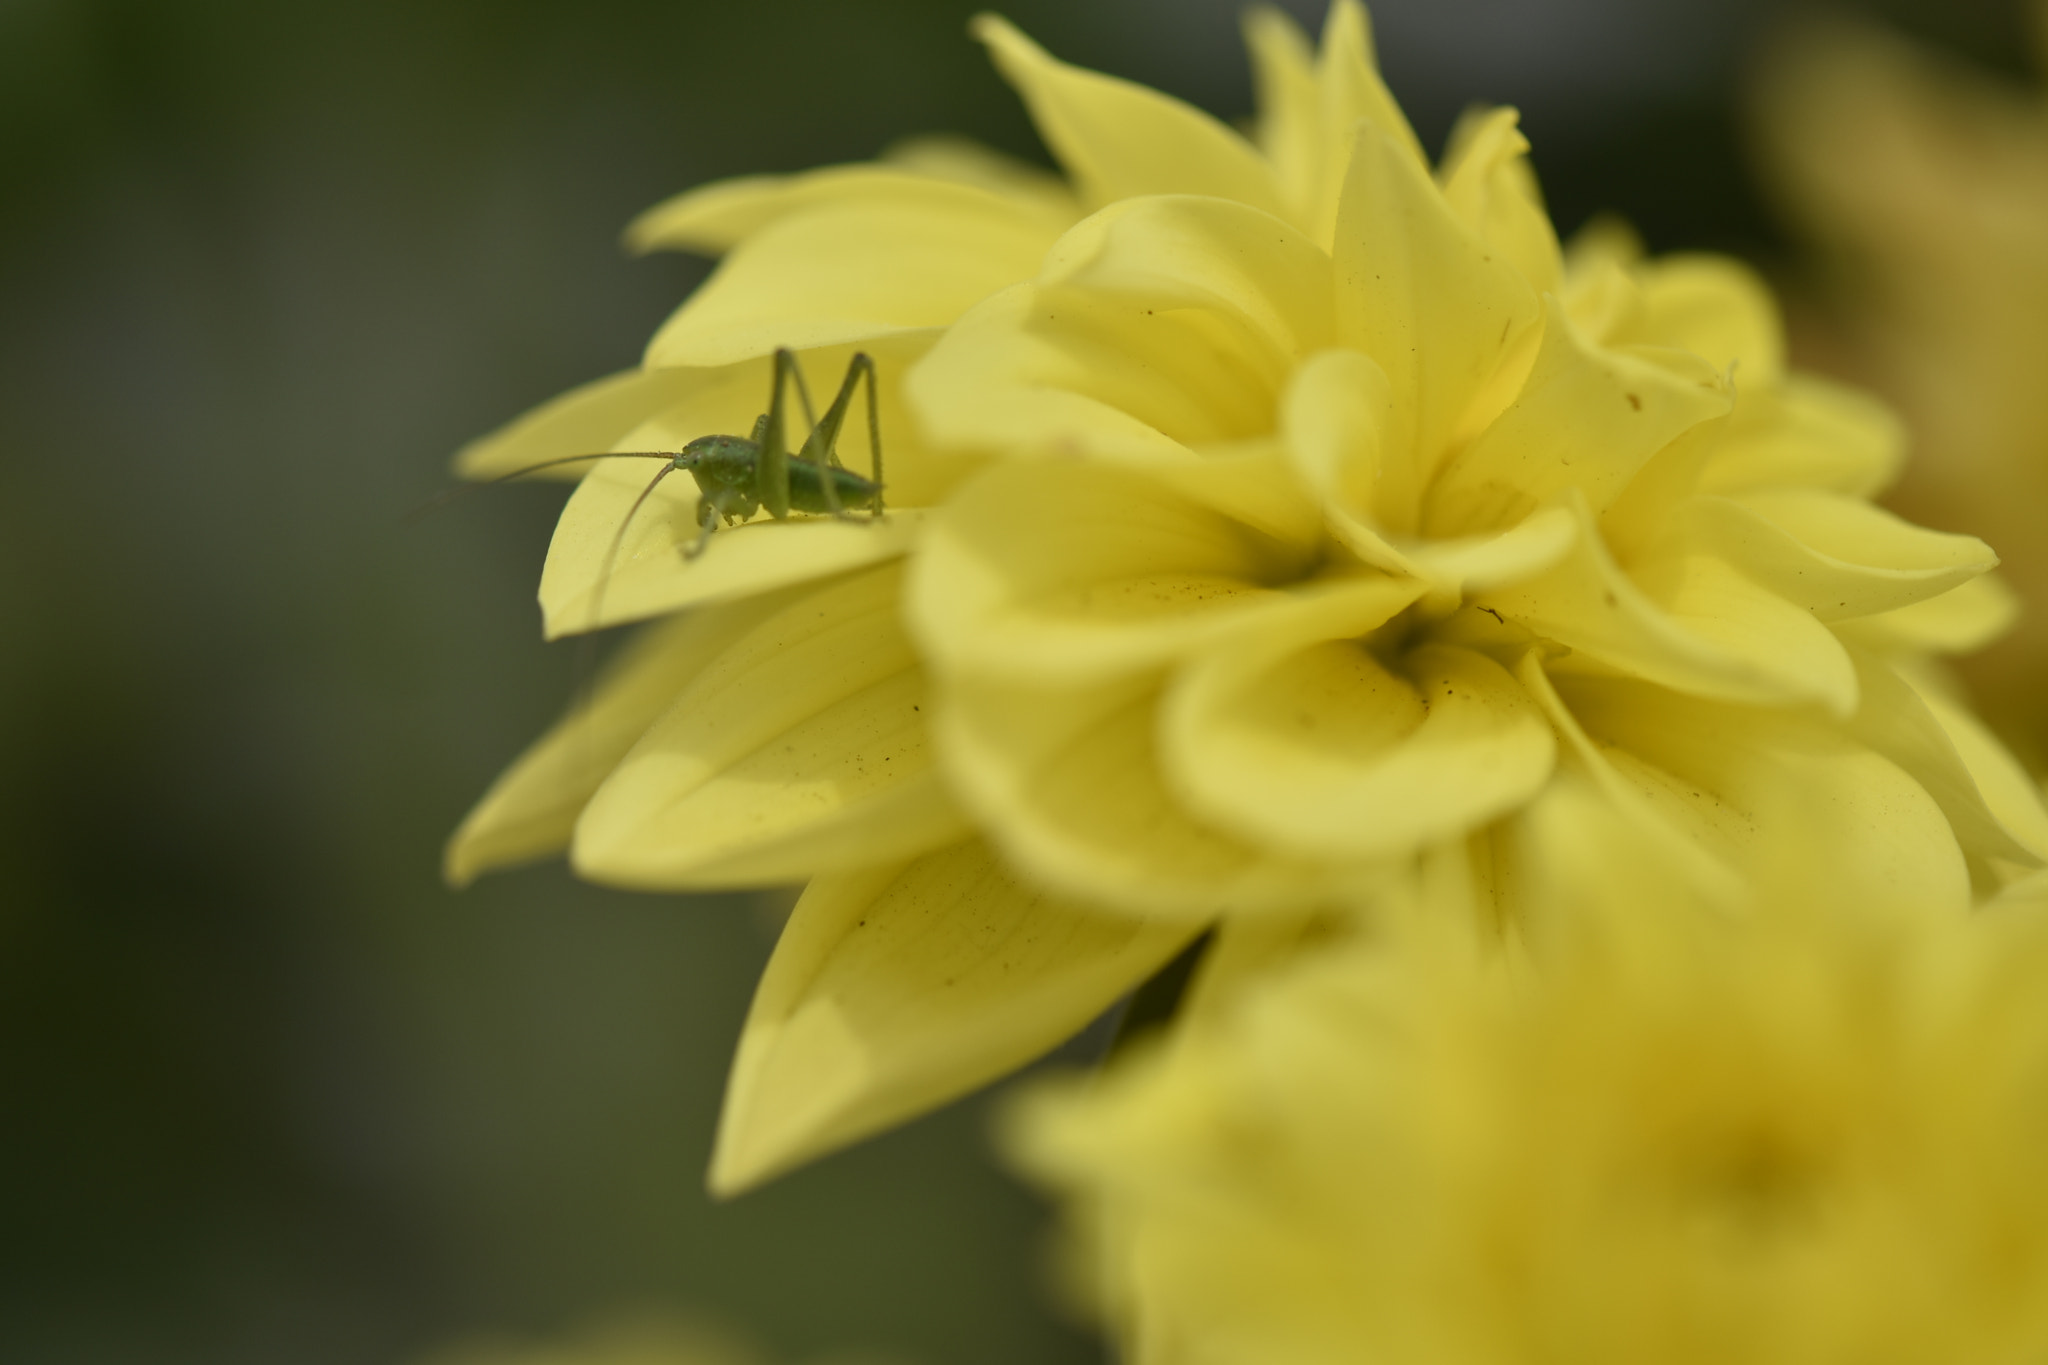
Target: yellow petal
(947, 156)
(1705, 867)
(800, 748)
(1729, 775)
(589, 419)
(1289, 124)
(1587, 418)
(1486, 178)
(1474, 564)
(1986, 795)
(1805, 432)
(1347, 71)
(995, 385)
(1959, 621)
(1067, 781)
(855, 269)
(1333, 417)
(1838, 557)
(529, 812)
(714, 218)
(2011, 795)
(897, 988)
(1262, 276)
(1118, 139)
(1584, 862)
(1440, 313)
(1718, 309)
(1316, 747)
(1684, 619)
(1158, 327)
(1077, 571)
(1603, 299)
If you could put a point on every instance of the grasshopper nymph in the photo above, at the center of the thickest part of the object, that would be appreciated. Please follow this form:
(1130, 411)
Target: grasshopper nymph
(739, 475)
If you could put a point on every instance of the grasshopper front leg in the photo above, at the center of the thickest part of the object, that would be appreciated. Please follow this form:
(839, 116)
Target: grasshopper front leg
(707, 522)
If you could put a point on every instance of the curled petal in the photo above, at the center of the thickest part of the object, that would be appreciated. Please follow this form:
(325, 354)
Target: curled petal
(1074, 571)
(1068, 781)
(1684, 619)
(1159, 327)
(1587, 418)
(1333, 417)
(1962, 619)
(800, 748)
(1318, 748)
(1718, 309)
(1986, 795)
(1119, 140)
(897, 988)
(1182, 251)
(2010, 794)
(1736, 779)
(1836, 556)
(1805, 432)
(530, 811)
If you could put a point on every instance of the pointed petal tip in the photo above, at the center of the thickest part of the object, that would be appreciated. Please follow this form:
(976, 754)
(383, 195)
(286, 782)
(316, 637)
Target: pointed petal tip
(727, 1177)
(743, 1161)
(458, 870)
(793, 1096)
(996, 31)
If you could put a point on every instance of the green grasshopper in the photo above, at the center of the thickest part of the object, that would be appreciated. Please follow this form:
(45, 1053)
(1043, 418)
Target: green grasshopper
(738, 475)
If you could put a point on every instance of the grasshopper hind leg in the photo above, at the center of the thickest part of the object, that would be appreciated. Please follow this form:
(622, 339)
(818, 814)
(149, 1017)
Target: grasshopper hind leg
(821, 448)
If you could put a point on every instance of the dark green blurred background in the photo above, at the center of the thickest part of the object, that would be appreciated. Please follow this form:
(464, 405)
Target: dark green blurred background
(270, 1093)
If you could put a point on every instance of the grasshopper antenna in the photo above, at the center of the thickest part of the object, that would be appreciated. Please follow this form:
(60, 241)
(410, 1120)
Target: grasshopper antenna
(611, 554)
(463, 490)
(584, 688)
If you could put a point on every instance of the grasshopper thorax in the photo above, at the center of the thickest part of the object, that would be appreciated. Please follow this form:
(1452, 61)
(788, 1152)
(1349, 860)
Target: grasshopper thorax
(723, 460)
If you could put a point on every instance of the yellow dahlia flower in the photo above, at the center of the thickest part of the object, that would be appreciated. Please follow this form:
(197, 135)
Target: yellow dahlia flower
(1802, 1133)
(1925, 184)
(1297, 513)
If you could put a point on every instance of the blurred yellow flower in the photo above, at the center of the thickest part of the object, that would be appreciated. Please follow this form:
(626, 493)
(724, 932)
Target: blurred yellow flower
(1802, 1133)
(1298, 513)
(639, 1338)
(632, 1339)
(1925, 186)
